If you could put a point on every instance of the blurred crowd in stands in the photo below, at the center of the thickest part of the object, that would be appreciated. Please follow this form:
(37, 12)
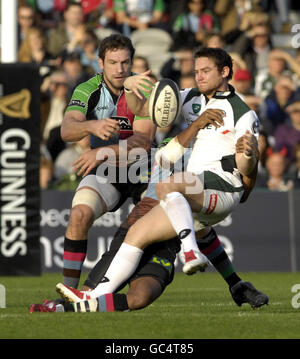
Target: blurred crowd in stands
(62, 37)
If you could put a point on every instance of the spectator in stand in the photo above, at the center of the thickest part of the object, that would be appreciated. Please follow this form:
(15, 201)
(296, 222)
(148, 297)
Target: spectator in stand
(273, 108)
(67, 32)
(46, 168)
(288, 133)
(75, 71)
(294, 170)
(138, 15)
(58, 90)
(180, 63)
(26, 20)
(282, 7)
(254, 46)
(215, 40)
(228, 14)
(263, 147)
(276, 178)
(279, 62)
(242, 81)
(64, 161)
(140, 64)
(33, 49)
(85, 43)
(99, 13)
(192, 26)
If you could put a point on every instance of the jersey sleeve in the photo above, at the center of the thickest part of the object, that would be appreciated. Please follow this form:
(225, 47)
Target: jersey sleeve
(79, 100)
(249, 121)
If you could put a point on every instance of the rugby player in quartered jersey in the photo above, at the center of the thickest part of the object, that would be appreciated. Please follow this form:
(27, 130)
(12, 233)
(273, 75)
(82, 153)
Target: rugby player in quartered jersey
(92, 111)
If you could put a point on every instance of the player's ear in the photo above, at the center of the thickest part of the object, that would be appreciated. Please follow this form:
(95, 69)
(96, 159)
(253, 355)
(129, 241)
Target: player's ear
(225, 71)
(101, 64)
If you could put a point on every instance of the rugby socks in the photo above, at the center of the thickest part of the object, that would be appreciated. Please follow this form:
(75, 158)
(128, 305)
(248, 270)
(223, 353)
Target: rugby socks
(74, 256)
(212, 248)
(121, 268)
(112, 302)
(180, 215)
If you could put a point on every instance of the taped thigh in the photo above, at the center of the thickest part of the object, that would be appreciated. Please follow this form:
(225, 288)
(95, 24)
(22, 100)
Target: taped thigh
(109, 194)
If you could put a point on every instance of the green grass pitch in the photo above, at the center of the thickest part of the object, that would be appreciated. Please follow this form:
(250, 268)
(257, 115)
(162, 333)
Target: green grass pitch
(195, 307)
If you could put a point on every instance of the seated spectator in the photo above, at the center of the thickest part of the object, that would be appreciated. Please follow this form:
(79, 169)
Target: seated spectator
(192, 26)
(294, 170)
(63, 163)
(254, 46)
(180, 63)
(60, 37)
(227, 12)
(34, 50)
(26, 20)
(75, 71)
(215, 40)
(139, 64)
(46, 168)
(288, 133)
(263, 147)
(237, 62)
(276, 178)
(241, 81)
(99, 13)
(278, 62)
(89, 52)
(138, 15)
(58, 90)
(273, 108)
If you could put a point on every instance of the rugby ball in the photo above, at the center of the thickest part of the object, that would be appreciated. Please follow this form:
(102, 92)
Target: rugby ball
(164, 102)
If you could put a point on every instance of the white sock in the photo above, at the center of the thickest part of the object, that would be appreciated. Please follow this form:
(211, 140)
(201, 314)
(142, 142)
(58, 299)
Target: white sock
(121, 268)
(180, 215)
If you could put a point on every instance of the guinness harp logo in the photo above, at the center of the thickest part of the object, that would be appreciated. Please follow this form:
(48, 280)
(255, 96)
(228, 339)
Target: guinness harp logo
(16, 105)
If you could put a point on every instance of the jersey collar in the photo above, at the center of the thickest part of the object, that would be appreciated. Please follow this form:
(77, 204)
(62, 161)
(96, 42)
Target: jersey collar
(225, 94)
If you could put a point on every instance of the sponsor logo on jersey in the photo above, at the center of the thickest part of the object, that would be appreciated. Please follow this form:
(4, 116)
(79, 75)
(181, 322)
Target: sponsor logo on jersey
(77, 103)
(124, 122)
(196, 107)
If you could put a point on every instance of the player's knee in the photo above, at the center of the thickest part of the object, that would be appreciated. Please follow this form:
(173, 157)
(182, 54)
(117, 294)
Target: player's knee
(137, 300)
(81, 216)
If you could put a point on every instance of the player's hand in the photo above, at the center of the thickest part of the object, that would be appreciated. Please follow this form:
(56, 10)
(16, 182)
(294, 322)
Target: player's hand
(86, 162)
(210, 117)
(248, 145)
(105, 128)
(138, 83)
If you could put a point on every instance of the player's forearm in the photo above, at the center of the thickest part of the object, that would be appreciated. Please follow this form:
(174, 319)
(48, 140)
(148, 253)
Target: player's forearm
(136, 105)
(187, 135)
(73, 130)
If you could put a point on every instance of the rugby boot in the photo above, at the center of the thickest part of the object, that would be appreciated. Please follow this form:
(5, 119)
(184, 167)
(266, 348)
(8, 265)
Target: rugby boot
(245, 292)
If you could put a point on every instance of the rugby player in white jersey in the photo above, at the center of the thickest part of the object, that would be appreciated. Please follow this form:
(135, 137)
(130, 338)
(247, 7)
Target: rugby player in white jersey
(212, 184)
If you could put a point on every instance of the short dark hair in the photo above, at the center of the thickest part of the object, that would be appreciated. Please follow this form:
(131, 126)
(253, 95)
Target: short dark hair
(114, 42)
(220, 57)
